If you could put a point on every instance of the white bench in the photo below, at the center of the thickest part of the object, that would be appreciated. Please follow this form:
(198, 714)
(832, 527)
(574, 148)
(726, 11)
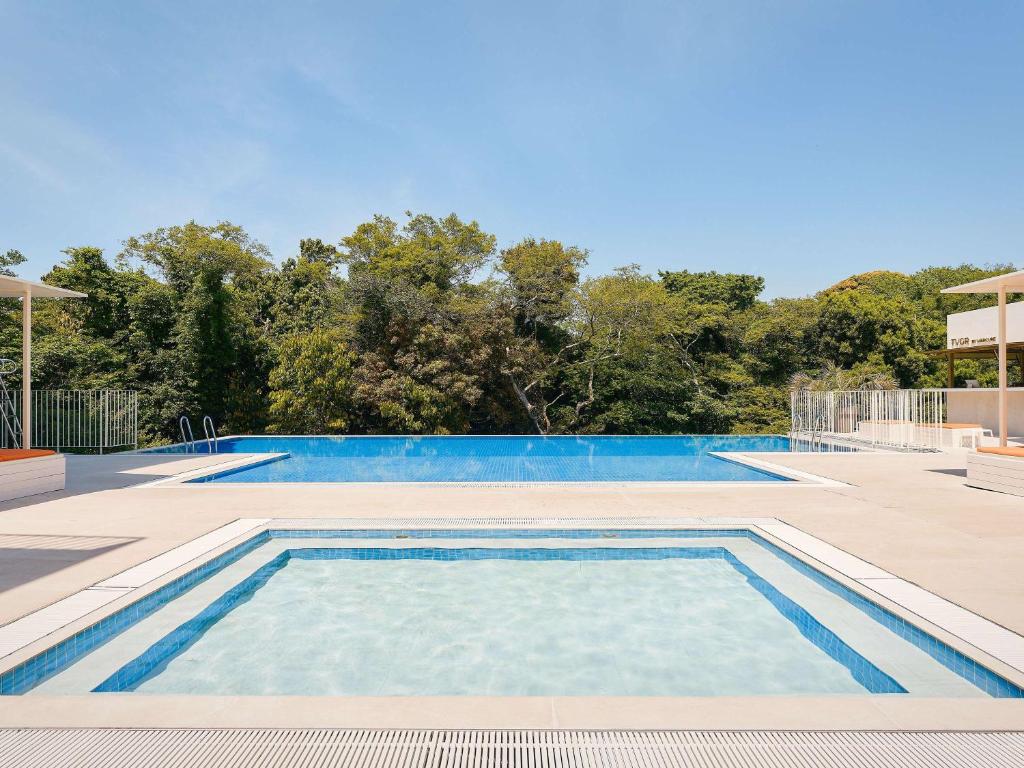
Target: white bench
(905, 432)
(21, 475)
(997, 469)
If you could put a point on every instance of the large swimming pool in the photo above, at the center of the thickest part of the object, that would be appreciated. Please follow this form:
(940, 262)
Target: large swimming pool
(694, 612)
(518, 458)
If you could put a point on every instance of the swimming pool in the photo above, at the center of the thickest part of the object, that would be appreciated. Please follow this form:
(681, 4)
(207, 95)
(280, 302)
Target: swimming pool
(682, 612)
(517, 458)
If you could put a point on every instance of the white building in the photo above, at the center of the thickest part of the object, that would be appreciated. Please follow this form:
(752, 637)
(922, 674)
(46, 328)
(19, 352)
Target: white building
(995, 333)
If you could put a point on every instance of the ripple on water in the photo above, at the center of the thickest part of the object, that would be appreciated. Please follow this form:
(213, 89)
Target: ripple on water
(502, 627)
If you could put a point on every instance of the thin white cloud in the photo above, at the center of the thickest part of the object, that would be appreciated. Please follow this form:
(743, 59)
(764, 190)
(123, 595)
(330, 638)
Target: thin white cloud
(39, 171)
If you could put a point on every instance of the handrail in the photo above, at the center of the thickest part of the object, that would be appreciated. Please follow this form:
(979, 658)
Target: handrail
(190, 439)
(211, 446)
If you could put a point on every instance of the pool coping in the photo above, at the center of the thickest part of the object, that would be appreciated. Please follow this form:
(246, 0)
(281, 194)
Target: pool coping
(995, 647)
(751, 459)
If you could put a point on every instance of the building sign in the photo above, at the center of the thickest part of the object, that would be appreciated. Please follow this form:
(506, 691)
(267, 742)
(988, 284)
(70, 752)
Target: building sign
(979, 327)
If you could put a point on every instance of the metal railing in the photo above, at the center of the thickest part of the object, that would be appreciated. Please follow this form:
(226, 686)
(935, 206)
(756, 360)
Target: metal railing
(10, 427)
(188, 439)
(211, 434)
(80, 419)
(913, 419)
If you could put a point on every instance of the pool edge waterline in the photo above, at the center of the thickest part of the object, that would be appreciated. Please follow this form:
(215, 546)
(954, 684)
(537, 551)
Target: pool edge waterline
(512, 460)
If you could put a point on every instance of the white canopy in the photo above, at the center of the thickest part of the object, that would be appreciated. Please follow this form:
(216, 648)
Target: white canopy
(15, 287)
(26, 290)
(1011, 282)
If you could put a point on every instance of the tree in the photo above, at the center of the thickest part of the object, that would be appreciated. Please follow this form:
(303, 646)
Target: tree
(103, 313)
(220, 353)
(423, 333)
(10, 259)
(883, 283)
(10, 313)
(735, 291)
(541, 276)
(856, 327)
(431, 331)
(616, 316)
(116, 337)
(427, 253)
(759, 410)
(309, 294)
(311, 385)
(929, 282)
(780, 340)
(832, 377)
(645, 393)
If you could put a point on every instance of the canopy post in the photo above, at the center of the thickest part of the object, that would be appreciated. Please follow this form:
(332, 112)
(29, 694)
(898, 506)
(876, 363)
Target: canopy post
(1002, 365)
(26, 369)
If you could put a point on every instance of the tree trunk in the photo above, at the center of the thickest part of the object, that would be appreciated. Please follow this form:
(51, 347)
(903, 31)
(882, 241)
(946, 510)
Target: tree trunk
(531, 411)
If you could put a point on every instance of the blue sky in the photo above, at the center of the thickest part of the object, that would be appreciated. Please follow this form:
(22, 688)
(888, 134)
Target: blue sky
(799, 140)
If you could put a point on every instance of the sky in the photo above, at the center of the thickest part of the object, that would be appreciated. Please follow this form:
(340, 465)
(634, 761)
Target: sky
(803, 141)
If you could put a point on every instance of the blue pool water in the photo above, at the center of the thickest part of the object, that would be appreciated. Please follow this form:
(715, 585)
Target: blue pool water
(498, 459)
(502, 622)
(559, 612)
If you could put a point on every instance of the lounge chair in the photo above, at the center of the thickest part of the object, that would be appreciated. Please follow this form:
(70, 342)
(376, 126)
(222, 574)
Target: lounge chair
(997, 469)
(28, 472)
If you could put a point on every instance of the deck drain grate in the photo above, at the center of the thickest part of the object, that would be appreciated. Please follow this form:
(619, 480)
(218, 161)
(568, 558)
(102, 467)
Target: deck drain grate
(296, 748)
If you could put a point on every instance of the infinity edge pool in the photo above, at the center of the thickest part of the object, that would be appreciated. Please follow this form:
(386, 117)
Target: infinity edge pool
(500, 459)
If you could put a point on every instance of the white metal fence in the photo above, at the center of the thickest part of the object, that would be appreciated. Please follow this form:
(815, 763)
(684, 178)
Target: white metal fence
(80, 419)
(900, 418)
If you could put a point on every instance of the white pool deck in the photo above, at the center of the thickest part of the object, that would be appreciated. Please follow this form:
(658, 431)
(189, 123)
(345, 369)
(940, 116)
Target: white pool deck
(904, 525)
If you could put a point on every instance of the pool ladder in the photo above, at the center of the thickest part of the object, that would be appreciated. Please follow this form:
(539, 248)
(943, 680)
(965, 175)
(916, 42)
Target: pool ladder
(189, 439)
(815, 433)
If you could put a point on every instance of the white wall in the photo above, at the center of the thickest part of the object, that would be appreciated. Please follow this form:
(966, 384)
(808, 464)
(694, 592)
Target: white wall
(981, 406)
(978, 327)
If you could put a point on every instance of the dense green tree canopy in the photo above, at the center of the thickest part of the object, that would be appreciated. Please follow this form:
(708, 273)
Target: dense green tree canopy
(737, 292)
(424, 327)
(311, 385)
(427, 253)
